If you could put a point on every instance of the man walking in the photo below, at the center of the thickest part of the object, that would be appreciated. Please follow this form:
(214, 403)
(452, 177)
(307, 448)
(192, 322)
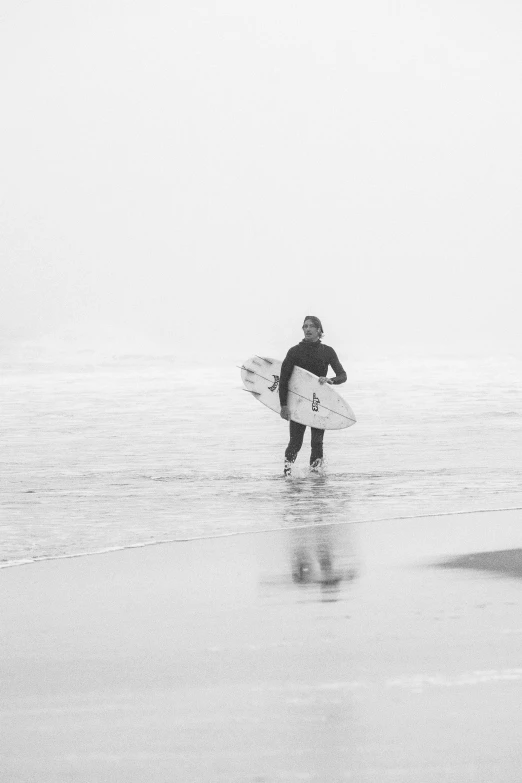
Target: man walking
(312, 355)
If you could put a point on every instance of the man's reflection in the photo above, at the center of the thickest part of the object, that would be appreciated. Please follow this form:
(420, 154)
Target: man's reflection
(322, 548)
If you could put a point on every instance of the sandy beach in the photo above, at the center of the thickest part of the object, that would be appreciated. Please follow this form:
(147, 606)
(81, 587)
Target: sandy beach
(366, 652)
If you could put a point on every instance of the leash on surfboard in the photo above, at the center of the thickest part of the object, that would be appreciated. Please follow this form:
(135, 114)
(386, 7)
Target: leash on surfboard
(291, 392)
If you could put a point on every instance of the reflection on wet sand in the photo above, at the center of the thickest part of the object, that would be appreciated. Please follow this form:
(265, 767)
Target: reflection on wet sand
(321, 541)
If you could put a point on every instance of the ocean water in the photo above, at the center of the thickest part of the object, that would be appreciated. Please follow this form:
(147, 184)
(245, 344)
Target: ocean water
(103, 453)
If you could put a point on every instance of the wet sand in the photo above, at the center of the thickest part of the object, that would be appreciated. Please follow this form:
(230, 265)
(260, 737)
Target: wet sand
(385, 651)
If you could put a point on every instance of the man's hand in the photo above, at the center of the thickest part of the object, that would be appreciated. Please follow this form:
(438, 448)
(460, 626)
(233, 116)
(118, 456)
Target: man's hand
(285, 412)
(325, 380)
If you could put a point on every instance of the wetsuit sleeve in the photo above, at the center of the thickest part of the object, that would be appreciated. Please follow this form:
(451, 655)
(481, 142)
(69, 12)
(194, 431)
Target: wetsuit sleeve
(286, 371)
(335, 364)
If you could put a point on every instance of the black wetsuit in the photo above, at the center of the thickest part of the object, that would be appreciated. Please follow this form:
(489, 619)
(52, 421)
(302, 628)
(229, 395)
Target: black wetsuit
(316, 358)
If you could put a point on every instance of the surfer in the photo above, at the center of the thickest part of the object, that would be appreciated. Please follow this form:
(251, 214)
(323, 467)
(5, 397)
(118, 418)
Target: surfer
(311, 355)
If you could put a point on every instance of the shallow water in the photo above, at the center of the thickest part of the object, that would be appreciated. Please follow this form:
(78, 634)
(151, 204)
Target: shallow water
(134, 450)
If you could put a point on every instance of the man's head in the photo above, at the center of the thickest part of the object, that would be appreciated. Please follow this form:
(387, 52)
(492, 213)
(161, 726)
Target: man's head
(312, 328)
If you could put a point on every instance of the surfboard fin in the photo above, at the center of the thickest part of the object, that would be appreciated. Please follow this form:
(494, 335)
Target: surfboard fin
(257, 394)
(264, 359)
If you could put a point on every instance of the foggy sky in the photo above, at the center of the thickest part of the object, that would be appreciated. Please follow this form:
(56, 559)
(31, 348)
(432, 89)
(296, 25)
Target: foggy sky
(202, 175)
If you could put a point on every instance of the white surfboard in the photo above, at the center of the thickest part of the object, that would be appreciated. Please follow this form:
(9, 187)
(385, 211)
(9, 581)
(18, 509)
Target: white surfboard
(310, 403)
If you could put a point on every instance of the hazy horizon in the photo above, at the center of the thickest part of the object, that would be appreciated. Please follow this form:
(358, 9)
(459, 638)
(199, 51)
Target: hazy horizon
(198, 178)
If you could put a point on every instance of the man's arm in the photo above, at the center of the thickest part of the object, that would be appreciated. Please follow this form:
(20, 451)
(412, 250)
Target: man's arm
(335, 364)
(286, 371)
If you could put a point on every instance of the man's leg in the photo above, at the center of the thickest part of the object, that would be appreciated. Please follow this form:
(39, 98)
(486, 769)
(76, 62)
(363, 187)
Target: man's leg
(316, 456)
(297, 432)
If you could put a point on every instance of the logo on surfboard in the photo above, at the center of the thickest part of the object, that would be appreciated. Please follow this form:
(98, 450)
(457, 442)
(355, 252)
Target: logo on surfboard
(275, 383)
(315, 402)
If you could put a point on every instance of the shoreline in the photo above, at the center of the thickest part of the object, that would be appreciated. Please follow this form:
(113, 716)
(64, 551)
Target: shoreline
(162, 542)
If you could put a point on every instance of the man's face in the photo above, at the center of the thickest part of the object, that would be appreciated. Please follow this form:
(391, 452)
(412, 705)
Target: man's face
(311, 332)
